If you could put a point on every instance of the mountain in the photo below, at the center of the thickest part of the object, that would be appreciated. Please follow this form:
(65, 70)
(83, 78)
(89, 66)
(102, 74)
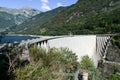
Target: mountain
(6, 19)
(31, 25)
(26, 11)
(84, 17)
(10, 17)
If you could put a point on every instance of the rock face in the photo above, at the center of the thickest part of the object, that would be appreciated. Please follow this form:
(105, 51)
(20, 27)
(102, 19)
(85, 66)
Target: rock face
(26, 11)
(113, 54)
(17, 16)
(112, 64)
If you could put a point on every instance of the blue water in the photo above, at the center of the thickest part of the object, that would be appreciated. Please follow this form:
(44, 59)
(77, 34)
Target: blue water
(12, 39)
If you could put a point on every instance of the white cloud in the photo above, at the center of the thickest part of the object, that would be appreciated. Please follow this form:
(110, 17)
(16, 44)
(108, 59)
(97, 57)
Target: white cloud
(59, 4)
(44, 1)
(45, 6)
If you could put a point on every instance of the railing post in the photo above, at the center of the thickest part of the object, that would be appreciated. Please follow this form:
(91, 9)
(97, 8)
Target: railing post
(76, 75)
(85, 75)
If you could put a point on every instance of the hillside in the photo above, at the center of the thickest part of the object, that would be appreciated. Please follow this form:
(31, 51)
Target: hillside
(10, 17)
(84, 17)
(32, 25)
(6, 19)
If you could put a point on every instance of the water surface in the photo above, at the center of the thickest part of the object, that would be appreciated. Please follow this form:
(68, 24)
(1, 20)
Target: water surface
(12, 39)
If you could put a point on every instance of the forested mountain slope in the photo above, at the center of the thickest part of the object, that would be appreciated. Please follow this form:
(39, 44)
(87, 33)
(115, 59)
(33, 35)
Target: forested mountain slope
(33, 25)
(86, 17)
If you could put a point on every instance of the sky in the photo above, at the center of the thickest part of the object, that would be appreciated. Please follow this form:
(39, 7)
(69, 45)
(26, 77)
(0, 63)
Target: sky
(42, 5)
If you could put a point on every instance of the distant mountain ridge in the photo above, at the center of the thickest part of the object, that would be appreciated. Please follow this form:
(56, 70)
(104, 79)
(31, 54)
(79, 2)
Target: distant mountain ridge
(26, 11)
(15, 16)
(34, 23)
(84, 17)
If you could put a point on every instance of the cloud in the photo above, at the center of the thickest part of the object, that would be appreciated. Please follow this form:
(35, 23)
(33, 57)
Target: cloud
(44, 1)
(59, 4)
(45, 7)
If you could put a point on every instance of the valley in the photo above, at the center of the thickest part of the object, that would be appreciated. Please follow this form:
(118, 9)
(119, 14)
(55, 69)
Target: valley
(90, 27)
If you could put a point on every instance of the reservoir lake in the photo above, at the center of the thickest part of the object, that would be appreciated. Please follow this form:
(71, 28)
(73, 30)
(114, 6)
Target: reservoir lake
(12, 39)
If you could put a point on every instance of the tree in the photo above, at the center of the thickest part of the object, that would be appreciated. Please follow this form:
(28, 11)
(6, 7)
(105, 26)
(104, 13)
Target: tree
(9, 59)
(43, 64)
(87, 64)
(114, 77)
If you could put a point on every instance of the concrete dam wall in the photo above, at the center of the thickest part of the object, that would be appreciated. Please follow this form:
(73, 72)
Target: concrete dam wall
(81, 45)
(92, 45)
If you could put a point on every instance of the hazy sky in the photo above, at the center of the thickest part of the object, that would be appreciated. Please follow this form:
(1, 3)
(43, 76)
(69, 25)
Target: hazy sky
(42, 5)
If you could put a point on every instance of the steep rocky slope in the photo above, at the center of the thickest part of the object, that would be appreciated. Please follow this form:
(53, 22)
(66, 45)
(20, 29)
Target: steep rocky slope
(10, 17)
(111, 66)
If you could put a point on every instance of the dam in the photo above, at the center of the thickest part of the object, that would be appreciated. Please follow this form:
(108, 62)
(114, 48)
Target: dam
(91, 45)
(81, 45)
(95, 46)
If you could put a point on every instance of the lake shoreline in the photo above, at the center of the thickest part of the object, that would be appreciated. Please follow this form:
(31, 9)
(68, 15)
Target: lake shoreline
(15, 38)
(22, 35)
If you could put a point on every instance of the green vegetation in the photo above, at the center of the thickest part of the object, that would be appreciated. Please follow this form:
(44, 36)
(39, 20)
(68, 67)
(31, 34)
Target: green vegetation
(9, 60)
(43, 64)
(31, 25)
(116, 40)
(10, 17)
(84, 17)
(87, 64)
(6, 20)
(114, 77)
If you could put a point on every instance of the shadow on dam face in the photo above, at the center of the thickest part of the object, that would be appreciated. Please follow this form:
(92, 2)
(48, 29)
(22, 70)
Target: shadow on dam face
(4, 66)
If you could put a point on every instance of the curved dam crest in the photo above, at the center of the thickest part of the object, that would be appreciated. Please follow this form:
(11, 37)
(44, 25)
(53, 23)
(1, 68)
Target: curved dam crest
(94, 46)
